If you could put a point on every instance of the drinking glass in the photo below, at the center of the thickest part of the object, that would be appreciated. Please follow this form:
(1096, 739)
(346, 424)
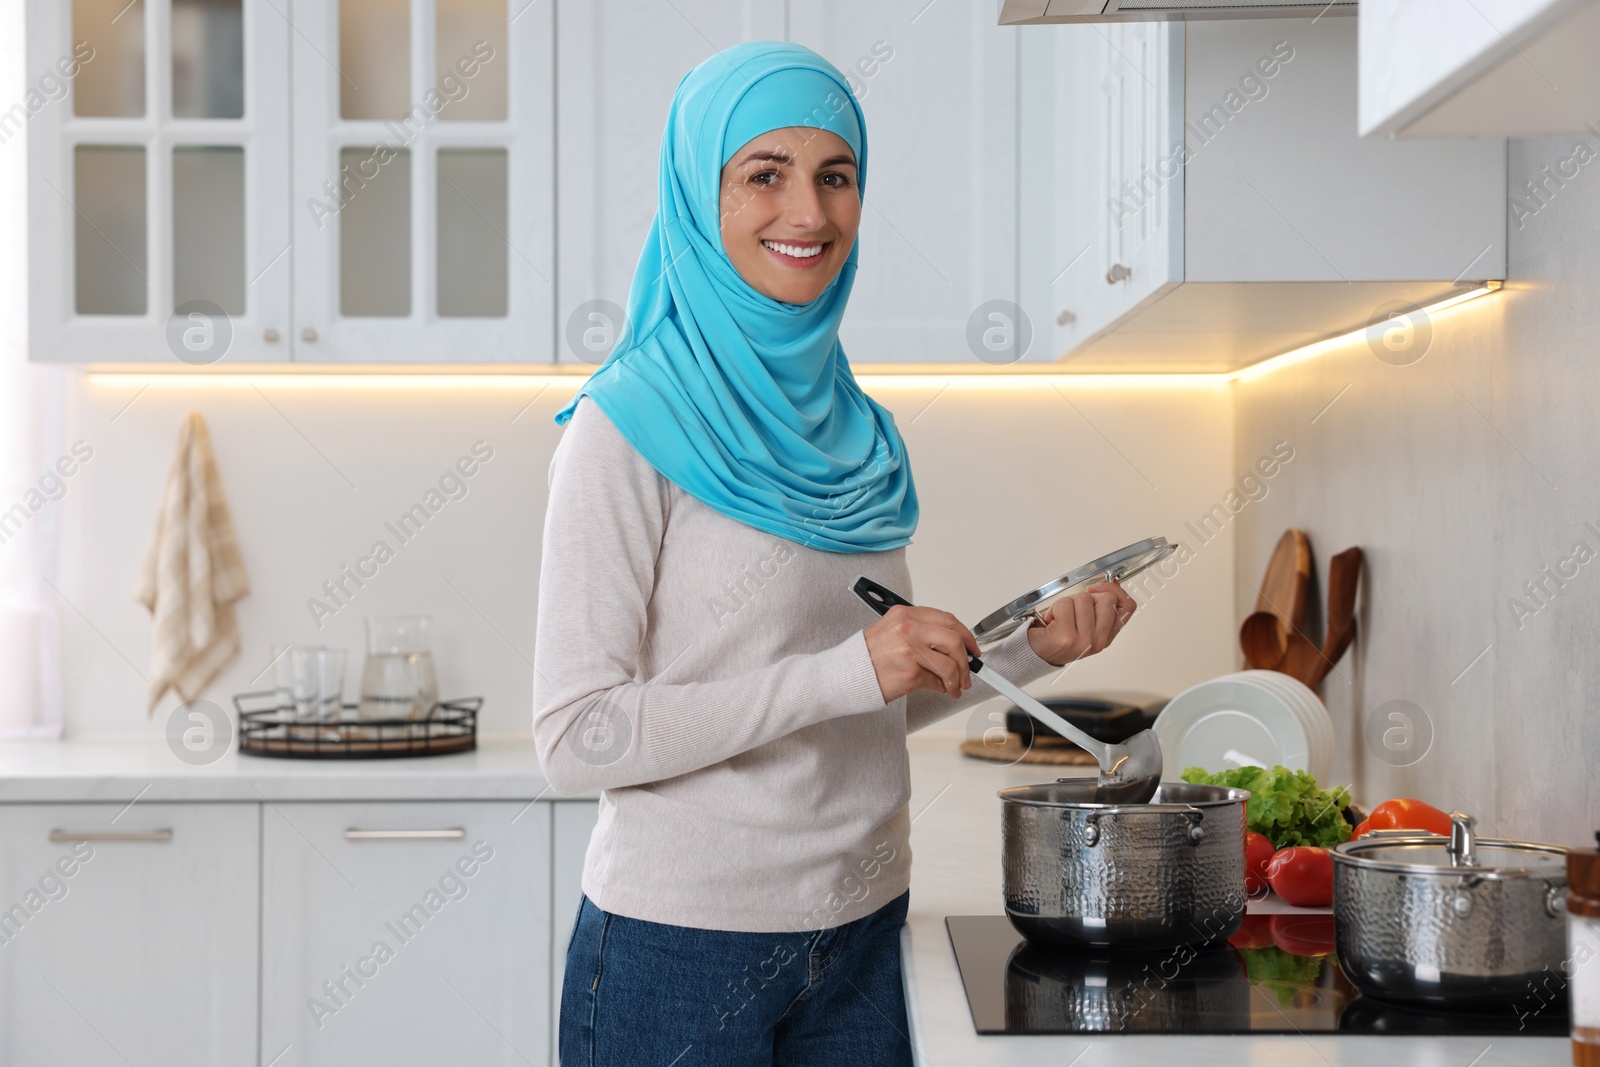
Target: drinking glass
(317, 682)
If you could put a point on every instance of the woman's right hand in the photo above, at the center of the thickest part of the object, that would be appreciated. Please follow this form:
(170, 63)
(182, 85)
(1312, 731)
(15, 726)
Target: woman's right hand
(920, 648)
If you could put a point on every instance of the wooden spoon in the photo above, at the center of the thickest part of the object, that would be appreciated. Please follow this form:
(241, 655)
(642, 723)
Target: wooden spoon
(1283, 594)
(1344, 581)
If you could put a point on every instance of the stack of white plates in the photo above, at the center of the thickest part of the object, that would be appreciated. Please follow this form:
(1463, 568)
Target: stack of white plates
(1250, 718)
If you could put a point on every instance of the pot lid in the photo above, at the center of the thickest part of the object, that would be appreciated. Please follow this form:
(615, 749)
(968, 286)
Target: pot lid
(1463, 852)
(1118, 566)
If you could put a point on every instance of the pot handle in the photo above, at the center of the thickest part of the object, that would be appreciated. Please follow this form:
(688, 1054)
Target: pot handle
(1197, 833)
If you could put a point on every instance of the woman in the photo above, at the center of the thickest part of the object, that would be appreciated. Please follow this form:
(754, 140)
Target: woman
(721, 483)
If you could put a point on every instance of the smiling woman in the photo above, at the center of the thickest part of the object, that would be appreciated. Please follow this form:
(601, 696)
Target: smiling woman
(746, 883)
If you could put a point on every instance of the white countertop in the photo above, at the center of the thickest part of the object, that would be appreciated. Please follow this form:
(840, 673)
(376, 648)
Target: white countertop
(120, 770)
(955, 845)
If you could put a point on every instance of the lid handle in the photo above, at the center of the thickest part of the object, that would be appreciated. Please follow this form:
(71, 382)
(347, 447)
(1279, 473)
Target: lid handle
(1463, 847)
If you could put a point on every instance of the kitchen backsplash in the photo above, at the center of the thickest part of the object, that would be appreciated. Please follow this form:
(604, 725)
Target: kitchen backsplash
(1466, 464)
(414, 495)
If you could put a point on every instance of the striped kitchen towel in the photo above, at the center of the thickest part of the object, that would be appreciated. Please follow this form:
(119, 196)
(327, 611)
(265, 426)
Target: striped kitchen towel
(192, 573)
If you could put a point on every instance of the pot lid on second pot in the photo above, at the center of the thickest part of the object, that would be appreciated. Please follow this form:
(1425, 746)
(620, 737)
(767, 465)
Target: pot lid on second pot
(1417, 851)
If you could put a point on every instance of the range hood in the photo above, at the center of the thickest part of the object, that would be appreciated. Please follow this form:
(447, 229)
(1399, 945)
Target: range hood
(1033, 12)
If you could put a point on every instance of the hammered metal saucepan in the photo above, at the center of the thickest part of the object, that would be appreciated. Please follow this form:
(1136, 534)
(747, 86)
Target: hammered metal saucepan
(1136, 876)
(1457, 922)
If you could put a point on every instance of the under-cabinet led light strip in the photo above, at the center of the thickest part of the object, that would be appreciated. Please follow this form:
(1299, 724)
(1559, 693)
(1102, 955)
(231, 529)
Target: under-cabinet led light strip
(923, 376)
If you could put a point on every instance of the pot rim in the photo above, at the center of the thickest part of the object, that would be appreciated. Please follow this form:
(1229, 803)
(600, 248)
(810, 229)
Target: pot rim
(1231, 795)
(1347, 853)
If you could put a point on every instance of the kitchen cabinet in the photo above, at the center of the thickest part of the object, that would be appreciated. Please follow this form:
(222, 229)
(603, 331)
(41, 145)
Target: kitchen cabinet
(406, 933)
(129, 934)
(1492, 68)
(158, 163)
(573, 822)
(423, 181)
(216, 184)
(621, 62)
(937, 277)
(1199, 198)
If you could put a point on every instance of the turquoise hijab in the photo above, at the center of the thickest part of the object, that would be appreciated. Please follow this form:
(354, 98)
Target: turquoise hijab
(745, 402)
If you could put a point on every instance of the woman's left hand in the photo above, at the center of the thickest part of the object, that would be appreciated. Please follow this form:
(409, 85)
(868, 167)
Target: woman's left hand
(1082, 624)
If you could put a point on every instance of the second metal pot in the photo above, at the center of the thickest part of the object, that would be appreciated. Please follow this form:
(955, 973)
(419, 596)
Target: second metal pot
(1137, 876)
(1452, 922)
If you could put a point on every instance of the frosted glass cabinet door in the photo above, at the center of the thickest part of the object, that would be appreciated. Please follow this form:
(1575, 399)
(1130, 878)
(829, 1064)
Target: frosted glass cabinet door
(404, 933)
(159, 232)
(129, 934)
(423, 194)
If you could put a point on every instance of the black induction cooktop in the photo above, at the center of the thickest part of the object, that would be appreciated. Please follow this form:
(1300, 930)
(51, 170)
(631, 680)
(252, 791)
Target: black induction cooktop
(1278, 975)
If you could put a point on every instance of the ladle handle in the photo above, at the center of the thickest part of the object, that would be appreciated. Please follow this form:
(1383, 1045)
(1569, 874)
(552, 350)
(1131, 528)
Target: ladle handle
(881, 598)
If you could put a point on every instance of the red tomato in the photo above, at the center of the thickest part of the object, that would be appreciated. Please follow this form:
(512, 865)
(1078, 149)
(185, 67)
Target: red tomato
(1361, 827)
(1302, 876)
(1254, 932)
(1408, 814)
(1303, 935)
(1258, 851)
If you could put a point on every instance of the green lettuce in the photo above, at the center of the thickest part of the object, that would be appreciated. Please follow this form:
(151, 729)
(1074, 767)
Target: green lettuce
(1286, 806)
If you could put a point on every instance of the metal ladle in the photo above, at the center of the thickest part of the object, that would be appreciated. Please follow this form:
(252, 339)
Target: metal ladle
(1130, 770)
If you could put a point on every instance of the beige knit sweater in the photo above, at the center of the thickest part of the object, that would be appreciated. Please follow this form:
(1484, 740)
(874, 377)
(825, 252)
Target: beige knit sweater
(713, 681)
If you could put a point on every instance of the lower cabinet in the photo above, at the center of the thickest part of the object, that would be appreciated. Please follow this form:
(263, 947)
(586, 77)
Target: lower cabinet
(286, 934)
(571, 824)
(405, 933)
(128, 934)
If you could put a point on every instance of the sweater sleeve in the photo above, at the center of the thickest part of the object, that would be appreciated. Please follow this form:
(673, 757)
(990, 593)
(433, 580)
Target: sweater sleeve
(597, 722)
(1013, 657)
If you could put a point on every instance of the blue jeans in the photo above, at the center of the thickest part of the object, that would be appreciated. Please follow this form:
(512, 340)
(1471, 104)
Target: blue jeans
(644, 994)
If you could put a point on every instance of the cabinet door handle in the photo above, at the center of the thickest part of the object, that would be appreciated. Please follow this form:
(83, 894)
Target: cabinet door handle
(454, 833)
(1117, 273)
(67, 837)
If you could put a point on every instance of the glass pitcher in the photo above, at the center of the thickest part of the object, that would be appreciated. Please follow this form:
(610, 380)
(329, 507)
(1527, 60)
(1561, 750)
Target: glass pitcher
(398, 681)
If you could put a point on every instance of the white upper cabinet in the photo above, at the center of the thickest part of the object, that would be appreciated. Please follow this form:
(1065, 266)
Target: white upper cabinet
(423, 185)
(1198, 198)
(937, 275)
(621, 61)
(220, 184)
(1490, 68)
(158, 159)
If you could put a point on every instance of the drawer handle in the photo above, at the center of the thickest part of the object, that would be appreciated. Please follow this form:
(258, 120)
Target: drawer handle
(67, 837)
(454, 833)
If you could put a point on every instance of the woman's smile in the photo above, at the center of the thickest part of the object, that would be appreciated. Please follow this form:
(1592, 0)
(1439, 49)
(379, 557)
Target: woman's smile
(803, 255)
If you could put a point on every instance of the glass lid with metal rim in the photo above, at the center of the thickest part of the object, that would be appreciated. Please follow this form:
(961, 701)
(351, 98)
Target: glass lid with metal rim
(1116, 566)
(1462, 852)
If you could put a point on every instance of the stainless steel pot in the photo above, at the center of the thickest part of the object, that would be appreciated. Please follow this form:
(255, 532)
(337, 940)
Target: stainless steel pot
(1453, 922)
(1139, 876)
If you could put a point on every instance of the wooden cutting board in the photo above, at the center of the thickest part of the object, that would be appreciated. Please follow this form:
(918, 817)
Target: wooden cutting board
(1287, 584)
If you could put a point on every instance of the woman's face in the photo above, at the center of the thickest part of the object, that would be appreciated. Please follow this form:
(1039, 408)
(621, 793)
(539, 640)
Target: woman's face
(790, 211)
